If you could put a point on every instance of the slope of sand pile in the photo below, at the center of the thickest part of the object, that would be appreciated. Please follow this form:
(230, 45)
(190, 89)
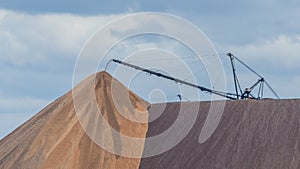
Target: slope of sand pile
(252, 134)
(54, 137)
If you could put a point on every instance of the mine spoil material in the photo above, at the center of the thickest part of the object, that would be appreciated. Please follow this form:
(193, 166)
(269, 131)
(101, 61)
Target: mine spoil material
(252, 134)
(54, 137)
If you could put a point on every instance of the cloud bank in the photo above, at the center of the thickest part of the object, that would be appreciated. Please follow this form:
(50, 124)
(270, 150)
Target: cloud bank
(38, 52)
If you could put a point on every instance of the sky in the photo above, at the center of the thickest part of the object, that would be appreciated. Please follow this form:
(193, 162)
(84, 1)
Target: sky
(40, 42)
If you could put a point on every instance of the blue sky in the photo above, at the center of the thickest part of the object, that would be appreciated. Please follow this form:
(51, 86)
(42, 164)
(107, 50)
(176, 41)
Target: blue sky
(40, 41)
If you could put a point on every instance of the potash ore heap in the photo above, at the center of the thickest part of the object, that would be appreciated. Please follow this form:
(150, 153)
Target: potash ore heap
(262, 134)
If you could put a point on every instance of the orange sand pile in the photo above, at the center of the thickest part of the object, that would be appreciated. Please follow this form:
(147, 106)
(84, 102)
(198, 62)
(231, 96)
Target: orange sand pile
(54, 138)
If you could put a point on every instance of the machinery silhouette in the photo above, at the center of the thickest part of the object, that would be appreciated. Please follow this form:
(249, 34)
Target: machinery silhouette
(239, 94)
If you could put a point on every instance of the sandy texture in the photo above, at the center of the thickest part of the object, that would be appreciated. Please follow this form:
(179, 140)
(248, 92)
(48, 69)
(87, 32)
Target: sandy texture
(251, 135)
(54, 137)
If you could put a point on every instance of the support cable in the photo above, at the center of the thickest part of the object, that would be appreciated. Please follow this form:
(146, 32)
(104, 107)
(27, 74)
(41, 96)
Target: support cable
(204, 89)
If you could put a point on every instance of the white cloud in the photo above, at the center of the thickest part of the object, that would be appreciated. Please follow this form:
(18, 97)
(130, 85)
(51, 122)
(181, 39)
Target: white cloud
(276, 59)
(51, 39)
(2, 15)
(282, 51)
(28, 39)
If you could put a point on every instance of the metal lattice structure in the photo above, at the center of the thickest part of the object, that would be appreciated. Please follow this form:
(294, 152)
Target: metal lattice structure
(239, 93)
(247, 93)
